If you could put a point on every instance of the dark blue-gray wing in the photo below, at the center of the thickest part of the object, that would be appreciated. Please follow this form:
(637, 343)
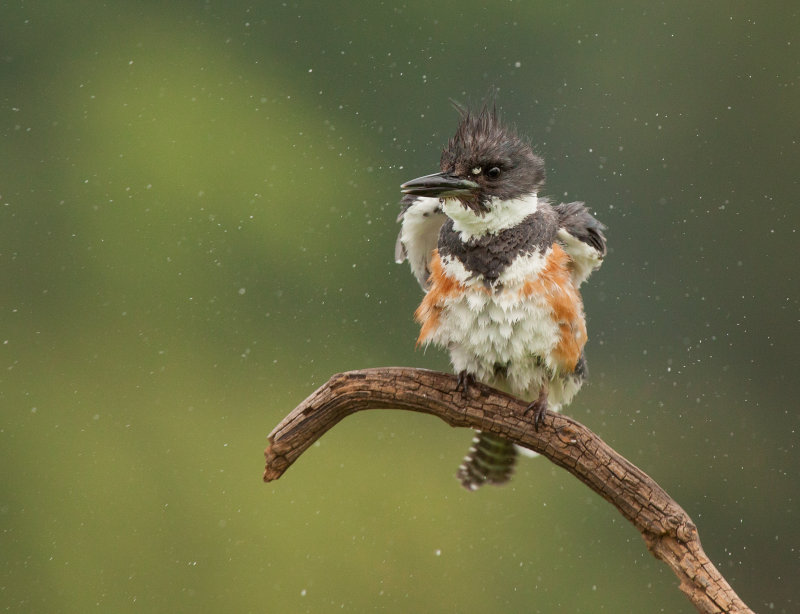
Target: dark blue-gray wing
(581, 236)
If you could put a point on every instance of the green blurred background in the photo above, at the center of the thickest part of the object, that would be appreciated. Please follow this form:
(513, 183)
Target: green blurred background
(197, 219)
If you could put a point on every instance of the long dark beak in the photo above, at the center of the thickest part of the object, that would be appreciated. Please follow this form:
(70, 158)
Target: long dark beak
(441, 185)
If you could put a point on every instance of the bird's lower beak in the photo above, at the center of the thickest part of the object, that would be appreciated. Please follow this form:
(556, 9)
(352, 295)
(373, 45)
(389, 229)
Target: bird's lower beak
(439, 185)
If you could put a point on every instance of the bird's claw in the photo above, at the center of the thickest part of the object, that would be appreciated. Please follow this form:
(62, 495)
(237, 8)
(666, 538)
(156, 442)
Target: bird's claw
(539, 409)
(465, 380)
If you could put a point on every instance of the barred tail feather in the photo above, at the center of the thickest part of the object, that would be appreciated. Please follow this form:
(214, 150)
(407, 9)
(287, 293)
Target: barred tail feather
(490, 459)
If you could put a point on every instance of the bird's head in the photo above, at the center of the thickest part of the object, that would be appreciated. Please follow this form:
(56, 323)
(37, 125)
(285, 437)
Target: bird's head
(485, 162)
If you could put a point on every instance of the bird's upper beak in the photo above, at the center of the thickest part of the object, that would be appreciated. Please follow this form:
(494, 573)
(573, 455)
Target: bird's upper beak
(439, 185)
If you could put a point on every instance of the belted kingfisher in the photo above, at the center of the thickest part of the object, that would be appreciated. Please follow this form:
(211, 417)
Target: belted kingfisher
(501, 268)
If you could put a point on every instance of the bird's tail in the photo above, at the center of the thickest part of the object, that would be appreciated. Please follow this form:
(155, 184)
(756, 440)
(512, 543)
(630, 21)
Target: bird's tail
(490, 459)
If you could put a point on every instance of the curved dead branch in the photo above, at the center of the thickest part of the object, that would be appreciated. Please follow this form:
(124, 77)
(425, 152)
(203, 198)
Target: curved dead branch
(667, 529)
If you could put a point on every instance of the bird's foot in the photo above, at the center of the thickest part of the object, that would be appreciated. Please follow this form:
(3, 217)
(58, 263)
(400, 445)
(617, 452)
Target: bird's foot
(465, 380)
(539, 410)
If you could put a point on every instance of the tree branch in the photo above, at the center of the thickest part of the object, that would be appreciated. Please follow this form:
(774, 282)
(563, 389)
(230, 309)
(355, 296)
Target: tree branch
(667, 529)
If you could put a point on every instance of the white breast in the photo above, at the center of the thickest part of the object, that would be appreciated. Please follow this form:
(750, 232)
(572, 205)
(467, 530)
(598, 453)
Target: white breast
(503, 327)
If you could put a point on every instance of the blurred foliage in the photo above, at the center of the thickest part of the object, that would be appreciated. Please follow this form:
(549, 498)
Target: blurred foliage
(197, 216)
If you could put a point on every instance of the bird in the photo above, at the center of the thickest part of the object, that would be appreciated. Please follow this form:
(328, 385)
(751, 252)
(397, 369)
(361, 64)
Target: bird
(501, 269)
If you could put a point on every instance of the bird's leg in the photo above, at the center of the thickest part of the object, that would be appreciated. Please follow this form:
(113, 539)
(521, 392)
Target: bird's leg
(465, 380)
(539, 407)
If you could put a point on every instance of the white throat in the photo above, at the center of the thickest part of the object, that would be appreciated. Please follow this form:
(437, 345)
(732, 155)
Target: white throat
(502, 214)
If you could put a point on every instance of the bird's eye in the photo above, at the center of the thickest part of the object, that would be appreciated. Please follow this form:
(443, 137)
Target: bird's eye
(493, 173)
(476, 170)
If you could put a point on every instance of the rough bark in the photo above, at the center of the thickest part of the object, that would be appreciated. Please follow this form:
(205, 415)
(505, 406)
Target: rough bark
(667, 529)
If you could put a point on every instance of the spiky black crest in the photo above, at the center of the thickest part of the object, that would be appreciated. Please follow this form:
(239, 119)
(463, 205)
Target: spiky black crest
(482, 141)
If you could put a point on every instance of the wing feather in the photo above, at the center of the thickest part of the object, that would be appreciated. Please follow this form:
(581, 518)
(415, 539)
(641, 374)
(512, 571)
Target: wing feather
(421, 220)
(582, 237)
